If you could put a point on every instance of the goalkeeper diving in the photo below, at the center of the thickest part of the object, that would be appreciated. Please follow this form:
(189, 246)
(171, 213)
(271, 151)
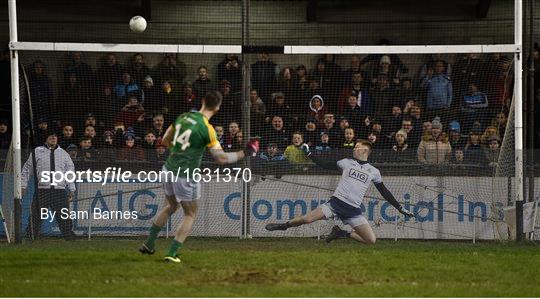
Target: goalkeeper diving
(187, 139)
(356, 177)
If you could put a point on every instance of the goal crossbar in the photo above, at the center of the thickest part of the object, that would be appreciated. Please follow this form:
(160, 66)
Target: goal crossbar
(237, 49)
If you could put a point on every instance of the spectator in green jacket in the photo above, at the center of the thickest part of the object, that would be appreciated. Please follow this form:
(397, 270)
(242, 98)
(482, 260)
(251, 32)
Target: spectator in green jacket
(293, 153)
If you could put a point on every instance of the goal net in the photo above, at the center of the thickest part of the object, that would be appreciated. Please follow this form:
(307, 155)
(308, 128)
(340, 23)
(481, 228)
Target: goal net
(436, 108)
(433, 118)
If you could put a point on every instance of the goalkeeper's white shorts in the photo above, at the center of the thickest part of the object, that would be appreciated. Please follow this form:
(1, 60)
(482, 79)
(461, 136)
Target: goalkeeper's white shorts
(182, 189)
(331, 214)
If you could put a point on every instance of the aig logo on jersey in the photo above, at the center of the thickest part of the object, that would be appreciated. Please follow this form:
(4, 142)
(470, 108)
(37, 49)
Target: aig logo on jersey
(358, 175)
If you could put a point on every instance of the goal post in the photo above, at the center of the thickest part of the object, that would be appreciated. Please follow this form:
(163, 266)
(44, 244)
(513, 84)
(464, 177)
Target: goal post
(15, 104)
(518, 93)
(270, 185)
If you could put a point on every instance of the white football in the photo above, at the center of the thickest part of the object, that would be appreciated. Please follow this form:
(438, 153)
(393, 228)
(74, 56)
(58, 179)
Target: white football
(137, 24)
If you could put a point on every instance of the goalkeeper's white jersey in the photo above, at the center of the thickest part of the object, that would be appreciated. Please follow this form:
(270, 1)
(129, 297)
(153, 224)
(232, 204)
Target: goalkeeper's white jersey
(355, 181)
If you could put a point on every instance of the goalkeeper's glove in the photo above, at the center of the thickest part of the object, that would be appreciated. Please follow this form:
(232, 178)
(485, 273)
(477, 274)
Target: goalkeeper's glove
(252, 147)
(405, 212)
(305, 148)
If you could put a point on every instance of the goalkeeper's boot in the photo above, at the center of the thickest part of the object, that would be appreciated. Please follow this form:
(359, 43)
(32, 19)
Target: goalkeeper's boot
(144, 249)
(172, 259)
(276, 226)
(336, 233)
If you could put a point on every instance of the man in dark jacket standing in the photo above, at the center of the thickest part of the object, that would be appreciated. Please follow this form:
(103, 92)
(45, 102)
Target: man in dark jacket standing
(263, 76)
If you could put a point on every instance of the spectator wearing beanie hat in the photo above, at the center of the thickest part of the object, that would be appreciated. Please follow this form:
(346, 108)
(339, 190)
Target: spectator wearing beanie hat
(401, 151)
(148, 80)
(130, 151)
(385, 60)
(454, 131)
(386, 68)
(434, 148)
(108, 150)
(73, 151)
(436, 123)
(150, 96)
(42, 130)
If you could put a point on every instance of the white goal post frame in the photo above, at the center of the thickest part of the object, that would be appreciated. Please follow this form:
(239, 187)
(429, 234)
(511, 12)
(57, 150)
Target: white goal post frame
(237, 49)
(515, 48)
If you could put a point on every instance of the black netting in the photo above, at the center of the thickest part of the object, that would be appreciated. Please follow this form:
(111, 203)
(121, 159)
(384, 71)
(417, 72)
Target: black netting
(428, 116)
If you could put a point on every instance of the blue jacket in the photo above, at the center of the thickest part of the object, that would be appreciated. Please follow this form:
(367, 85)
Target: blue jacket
(264, 156)
(122, 90)
(439, 91)
(477, 100)
(323, 147)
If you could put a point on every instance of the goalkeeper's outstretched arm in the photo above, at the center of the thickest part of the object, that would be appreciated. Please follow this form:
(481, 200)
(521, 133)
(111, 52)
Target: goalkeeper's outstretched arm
(389, 197)
(326, 164)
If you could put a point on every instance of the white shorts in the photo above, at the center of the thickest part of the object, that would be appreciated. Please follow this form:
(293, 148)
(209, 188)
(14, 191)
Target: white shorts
(355, 221)
(182, 189)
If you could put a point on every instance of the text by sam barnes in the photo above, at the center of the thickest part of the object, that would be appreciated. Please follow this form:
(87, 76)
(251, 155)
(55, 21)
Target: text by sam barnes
(97, 214)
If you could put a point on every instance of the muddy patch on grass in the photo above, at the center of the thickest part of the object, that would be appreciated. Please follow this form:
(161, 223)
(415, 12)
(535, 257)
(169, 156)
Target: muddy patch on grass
(251, 276)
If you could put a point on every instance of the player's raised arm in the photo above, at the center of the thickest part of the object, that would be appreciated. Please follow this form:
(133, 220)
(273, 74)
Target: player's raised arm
(221, 157)
(389, 197)
(326, 164)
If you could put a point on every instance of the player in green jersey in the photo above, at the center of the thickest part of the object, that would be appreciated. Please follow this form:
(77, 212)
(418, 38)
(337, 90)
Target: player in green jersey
(187, 139)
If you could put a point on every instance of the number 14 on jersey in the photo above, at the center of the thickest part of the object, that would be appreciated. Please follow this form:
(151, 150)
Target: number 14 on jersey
(183, 138)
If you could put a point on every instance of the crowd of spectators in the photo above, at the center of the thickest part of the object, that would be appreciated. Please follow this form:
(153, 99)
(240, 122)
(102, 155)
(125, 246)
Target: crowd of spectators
(433, 112)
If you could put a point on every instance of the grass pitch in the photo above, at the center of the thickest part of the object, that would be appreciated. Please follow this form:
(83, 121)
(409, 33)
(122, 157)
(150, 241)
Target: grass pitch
(270, 267)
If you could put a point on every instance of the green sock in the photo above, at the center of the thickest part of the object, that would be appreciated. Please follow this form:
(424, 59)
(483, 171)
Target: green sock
(151, 241)
(175, 245)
